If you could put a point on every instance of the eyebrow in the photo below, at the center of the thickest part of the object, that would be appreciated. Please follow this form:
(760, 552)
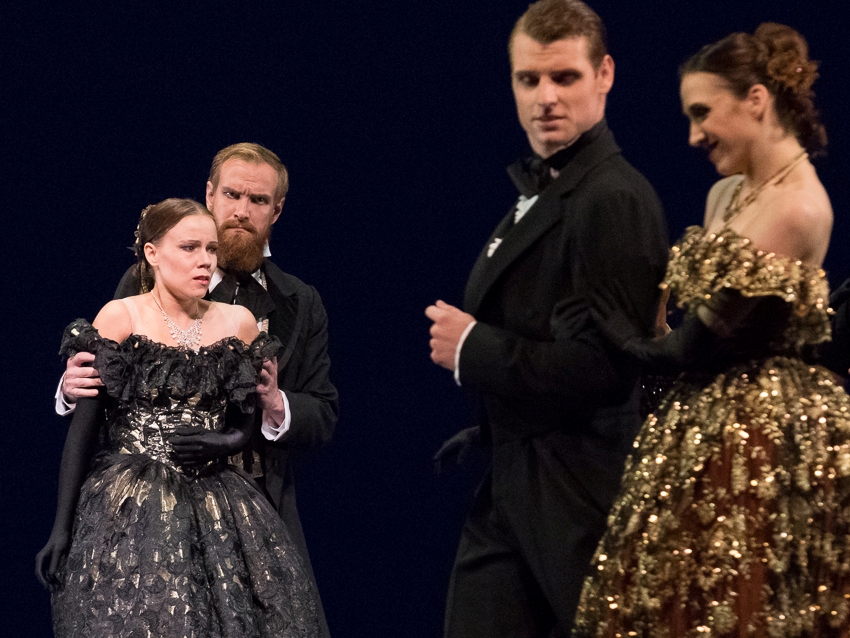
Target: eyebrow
(241, 193)
(196, 241)
(566, 69)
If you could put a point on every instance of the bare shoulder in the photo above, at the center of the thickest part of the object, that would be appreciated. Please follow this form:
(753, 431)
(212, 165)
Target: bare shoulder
(114, 321)
(797, 222)
(233, 312)
(808, 210)
(719, 196)
(248, 329)
(240, 318)
(805, 205)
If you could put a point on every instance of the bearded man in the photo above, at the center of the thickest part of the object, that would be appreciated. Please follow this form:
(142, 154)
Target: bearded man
(245, 192)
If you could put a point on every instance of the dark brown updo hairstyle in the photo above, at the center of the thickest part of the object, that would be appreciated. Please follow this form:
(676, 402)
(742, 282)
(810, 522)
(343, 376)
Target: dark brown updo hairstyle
(155, 221)
(777, 57)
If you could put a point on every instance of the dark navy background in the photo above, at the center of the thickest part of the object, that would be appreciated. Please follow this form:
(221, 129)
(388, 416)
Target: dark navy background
(396, 121)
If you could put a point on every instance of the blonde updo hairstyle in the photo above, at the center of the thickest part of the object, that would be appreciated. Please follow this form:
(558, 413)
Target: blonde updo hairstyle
(776, 56)
(155, 221)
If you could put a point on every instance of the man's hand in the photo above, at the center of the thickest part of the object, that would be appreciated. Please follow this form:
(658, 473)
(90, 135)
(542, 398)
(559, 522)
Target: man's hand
(457, 447)
(449, 324)
(268, 393)
(81, 379)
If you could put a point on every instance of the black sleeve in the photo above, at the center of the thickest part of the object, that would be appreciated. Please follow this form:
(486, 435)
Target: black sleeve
(313, 399)
(618, 251)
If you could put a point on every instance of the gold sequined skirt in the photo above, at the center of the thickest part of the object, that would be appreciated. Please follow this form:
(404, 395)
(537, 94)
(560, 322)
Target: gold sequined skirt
(734, 515)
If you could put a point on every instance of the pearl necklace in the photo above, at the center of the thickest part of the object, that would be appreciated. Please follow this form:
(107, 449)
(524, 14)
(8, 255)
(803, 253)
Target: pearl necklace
(736, 205)
(189, 339)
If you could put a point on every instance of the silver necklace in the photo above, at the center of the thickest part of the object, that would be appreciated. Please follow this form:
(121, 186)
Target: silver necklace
(189, 339)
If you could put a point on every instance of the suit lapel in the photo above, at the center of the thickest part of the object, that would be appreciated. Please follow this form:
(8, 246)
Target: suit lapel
(287, 317)
(482, 265)
(545, 213)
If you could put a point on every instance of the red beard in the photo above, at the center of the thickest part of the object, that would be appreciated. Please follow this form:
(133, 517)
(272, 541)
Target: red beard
(241, 253)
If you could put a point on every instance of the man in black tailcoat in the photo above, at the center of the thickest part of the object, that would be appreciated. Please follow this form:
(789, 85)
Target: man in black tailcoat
(245, 193)
(560, 403)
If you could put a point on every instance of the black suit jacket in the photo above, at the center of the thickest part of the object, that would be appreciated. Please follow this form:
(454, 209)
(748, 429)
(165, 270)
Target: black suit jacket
(300, 322)
(545, 368)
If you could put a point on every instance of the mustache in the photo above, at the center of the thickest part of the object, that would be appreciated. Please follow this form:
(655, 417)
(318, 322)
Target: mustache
(234, 223)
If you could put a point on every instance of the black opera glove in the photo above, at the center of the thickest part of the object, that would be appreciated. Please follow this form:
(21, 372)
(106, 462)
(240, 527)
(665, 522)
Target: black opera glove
(47, 560)
(195, 445)
(682, 349)
(721, 327)
(457, 447)
(76, 458)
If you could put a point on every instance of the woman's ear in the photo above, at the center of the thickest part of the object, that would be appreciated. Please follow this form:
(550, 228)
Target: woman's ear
(150, 254)
(758, 101)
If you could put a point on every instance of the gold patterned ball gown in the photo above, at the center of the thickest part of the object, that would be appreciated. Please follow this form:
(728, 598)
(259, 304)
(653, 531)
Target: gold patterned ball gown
(734, 514)
(162, 551)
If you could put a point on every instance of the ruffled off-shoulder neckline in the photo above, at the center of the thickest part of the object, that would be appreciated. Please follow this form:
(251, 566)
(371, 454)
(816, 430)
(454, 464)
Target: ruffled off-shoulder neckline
(139, 367)
(702, 263)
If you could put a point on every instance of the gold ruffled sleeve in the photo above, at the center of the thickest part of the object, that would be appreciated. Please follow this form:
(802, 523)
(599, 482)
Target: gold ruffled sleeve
(701, 264)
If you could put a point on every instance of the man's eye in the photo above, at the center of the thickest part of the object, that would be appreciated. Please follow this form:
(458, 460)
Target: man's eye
(231, 195)
(565, 79)
(527, 80)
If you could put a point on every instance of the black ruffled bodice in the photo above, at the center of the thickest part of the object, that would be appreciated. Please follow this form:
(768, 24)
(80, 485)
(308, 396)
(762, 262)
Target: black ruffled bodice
(155, 388)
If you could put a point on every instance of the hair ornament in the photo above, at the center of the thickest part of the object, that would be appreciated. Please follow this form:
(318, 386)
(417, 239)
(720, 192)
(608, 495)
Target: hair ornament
(788, 72)
(138, 249)
(787, 61)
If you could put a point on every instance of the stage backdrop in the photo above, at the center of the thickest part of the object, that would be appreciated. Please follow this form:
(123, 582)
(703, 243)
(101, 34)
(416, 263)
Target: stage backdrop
(396, 121)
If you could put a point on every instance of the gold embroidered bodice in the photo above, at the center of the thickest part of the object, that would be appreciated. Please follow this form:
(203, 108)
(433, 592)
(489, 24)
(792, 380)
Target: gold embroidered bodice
(734, 514)
(701, 264)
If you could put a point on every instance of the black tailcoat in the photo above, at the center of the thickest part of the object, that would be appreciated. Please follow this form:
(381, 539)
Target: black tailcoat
(560, 402)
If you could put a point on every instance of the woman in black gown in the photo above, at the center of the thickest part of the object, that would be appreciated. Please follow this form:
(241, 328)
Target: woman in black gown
(154, 534)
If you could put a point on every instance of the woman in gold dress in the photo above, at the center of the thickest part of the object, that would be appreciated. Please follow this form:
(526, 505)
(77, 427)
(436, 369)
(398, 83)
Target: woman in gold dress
(734, 515)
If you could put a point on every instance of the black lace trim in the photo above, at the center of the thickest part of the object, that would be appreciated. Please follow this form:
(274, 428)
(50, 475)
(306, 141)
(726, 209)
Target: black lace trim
(139, 367)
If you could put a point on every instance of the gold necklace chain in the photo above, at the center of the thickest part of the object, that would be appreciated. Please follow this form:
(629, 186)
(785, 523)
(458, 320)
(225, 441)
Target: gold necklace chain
(736, 205)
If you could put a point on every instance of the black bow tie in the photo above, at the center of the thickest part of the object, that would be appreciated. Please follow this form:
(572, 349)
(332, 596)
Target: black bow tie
(245, 291)
(532, 176)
